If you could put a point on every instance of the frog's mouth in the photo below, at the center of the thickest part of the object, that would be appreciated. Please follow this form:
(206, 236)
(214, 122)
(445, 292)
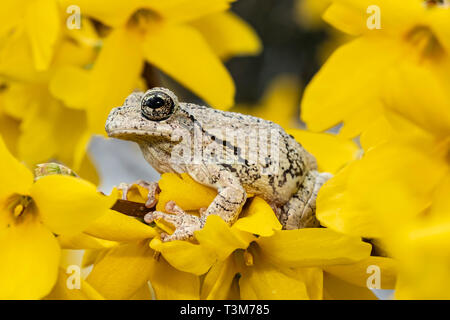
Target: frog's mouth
(126, 134)
(136, 135)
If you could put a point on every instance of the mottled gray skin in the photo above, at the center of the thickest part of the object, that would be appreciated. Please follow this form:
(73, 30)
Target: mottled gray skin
(291, 189)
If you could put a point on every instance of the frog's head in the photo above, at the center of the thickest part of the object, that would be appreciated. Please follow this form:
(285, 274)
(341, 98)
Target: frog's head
(144, 116)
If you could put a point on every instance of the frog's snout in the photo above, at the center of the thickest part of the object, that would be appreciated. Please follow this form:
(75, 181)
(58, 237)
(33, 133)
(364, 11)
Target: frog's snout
(112, 121)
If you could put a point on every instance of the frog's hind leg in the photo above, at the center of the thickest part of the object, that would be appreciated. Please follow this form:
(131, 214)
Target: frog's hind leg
(300, 211)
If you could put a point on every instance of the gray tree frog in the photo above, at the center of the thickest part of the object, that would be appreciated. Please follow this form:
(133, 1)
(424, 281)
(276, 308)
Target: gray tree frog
(233, 153)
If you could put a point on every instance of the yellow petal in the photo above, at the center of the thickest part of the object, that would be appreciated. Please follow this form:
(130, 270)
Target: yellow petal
(338, 210)
(228, 35)
(91, 256)
(84, 241)
(441, 202)
(263, 281)
(439, 21)
(312, 247)
(144, 293)
(170, 284)
(421, 248)
(80, 152)
(69, 133)
(330, 97)
(198, 68)
(185, 191)
(136, 193)
(424, 283)
(87, 36)
(44, 13)
(68, 83)
(351, 16)
(114, 76)
(113, 13)
(337, 289)
(258, 218)
(331, 152)
(10, 131)
(185, 256)
(345, 18)
(421, 94)
(67, 205)
(11, 12)
(30, 256)
(423, 262)
(391, 191)
(88, 171)
(359, 272)
(16, 60)
(37, 130)
(70, 260)
(377, 133)
(15, 177)
(219, 280)
(17, 98)
(122, 271)
(62, 292)
(116, 226)
(72, 52)
(379, 191)
(313, 279)
(234, 293)
(218, 237)
(176, 11)
(358, 121)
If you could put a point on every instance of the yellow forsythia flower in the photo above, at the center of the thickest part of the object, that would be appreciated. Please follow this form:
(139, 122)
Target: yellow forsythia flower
(34, 24)
(272, 264)
(31, 213)
(366, 75)
(252, 259)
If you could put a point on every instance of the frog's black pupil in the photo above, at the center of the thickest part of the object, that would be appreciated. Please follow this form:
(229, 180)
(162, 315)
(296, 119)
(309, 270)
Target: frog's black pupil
(154, 102)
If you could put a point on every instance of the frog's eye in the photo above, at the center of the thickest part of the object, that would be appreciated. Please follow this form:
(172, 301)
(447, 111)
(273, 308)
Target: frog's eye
(157, 105)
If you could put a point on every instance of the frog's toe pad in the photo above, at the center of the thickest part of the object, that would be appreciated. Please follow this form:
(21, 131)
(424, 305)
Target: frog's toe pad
(152, 188)
(156, 215)
(185, 224)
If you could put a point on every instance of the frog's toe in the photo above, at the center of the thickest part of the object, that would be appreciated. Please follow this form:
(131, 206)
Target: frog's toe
(185, 224)
(179, 234)
(172, 207)
(153, 190)
(156, 215)
(152, 187)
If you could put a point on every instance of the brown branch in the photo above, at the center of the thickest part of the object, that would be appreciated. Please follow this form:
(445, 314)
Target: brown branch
(131, 208)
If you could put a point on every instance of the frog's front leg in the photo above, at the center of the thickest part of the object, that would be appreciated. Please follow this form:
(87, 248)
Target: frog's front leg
(227, 204)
